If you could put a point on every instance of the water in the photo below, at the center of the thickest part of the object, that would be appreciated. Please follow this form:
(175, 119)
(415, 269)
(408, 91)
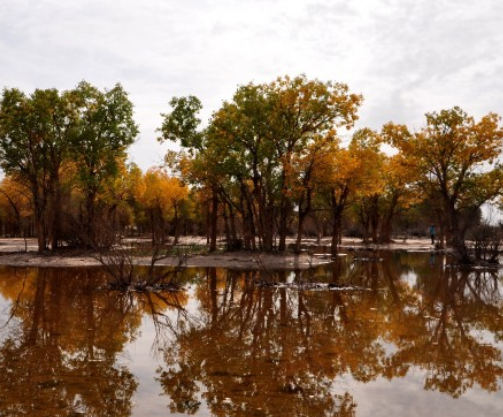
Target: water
(408, 336)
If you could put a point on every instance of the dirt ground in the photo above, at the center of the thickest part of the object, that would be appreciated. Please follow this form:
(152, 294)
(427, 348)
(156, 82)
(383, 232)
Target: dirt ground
(18, 252)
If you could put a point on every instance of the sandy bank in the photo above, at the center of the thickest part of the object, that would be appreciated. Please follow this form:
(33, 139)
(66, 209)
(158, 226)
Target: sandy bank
(17, 252)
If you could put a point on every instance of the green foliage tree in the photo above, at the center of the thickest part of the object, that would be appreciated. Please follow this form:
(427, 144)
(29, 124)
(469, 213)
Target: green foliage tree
(182, 123)
(105, 130)
(45, 131)
(35, 133)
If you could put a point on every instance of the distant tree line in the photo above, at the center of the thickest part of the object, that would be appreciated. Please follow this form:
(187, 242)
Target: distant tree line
(269, 165)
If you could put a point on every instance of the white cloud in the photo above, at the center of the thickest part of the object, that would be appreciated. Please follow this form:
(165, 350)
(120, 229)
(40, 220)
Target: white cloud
(405, 57)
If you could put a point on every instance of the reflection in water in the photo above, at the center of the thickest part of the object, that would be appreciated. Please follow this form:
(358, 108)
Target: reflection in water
(228, 347)
(58, 353)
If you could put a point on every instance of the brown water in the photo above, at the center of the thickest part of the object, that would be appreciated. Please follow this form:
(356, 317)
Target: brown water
(419, 340)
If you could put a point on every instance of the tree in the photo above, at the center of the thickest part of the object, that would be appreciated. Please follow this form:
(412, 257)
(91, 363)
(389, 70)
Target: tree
(397, 194)
(105, 130)
(182, 125)
(301, 110)
(162, 196)
(365, 148)
(306, 178)
(390, 193)
(15, 205)
(349, 173)
(35, 134)
(253, 141)
(456, 159)
(42, 133)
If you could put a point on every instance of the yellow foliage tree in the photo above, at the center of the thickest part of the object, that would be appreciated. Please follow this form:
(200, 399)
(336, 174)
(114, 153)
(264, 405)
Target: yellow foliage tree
(162, 197)
(347, 173)
(15, 205)
(455, 159)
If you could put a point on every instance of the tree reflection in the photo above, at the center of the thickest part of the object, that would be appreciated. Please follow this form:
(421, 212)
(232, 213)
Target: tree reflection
(275, 351)
(241, 349)
(447, 324)
(259, 351)
(458, 320)
(58, 353)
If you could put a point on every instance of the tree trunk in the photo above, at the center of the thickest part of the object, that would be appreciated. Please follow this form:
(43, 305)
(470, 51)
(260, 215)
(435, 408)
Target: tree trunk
(176, 225)
(303, 213)
(268, 228)
(387, 224)
(337, 207)
(386, 230)
(41, 236)
(300, 231)
(457, 235)
(213, 222)
(152, 222)
(236, 242)
(247, 210)
(374, 218)
(227, 227)
(55, 214)
(336, 230)
(39, 208)
(283, 223)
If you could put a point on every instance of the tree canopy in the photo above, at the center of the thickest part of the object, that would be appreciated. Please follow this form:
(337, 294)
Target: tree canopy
(44, 132)
(271, 163)
(455, 159)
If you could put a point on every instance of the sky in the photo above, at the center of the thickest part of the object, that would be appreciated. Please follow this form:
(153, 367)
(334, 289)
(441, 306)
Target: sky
(406, 57)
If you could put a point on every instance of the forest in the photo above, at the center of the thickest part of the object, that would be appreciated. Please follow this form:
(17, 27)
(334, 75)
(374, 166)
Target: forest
(276, 163)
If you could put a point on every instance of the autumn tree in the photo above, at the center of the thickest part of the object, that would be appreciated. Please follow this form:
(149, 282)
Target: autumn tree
(365, 148)
(116, 208)
(255, 139)
(35, 134)
(15, 205)
(162, 197)
(301, 110)
(124, 194)
(456, 158)
(386, 190)
(182, 125)
(306, 178)
(348, 173)
(397, 194)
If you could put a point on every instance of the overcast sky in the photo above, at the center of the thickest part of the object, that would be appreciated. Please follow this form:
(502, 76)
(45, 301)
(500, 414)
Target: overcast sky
(406, 57)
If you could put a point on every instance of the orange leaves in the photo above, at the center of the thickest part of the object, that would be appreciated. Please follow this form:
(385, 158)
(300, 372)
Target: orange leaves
(15, 198)
(450, 149)
(453, 158)
(159, 191)
(452, 142)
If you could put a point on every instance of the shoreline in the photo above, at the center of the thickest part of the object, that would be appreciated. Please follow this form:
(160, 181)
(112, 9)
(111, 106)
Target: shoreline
(12, 253)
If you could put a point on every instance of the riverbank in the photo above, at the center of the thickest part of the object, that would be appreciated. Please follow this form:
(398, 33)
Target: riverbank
(18, 252)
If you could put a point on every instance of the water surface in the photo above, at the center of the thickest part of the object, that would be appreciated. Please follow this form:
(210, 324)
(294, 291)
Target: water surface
(408, 336)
